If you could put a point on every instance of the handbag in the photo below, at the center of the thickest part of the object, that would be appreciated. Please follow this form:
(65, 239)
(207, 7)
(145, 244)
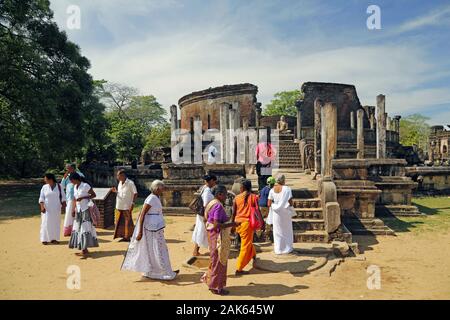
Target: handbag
(256, 218)
(94, 212)
(196, 205)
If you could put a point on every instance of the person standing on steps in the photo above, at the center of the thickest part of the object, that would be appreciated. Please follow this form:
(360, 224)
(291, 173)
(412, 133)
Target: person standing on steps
(280, 203)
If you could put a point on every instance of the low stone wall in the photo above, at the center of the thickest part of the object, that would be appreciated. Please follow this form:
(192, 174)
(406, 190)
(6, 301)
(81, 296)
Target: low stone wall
(374, 182)
(104, 176)
(430, 180)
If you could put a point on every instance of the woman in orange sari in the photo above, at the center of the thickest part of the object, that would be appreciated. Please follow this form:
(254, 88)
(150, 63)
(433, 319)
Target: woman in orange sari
(241, 215)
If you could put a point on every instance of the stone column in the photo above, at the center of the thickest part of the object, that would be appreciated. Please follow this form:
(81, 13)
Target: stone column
(317, 128)
(389, 123)
(371, 111)
(381, 127)
(173, 117)
(232, 123)
(197, 154)
(299, 120)
(258, 114)
(360, 133)
(223, 132)
(173, 122)
(329, 138)
(397, 123)
(352, 120)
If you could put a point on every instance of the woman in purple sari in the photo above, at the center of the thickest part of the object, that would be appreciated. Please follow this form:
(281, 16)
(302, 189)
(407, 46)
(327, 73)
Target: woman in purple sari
(219, 242)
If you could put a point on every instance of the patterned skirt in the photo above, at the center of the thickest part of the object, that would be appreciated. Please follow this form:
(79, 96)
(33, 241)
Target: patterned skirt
(83, 233)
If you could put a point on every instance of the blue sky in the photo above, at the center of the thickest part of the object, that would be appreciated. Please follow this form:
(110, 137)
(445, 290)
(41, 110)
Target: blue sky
(169, 48)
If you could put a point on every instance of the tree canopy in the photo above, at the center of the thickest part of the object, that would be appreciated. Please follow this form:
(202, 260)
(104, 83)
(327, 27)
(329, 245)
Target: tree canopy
(48, 111)
(414, 130)
(51, 110)
(283, 104)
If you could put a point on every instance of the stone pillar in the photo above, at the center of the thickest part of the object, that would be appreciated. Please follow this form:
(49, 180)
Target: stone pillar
(389, 124)
(328, 137)
(352, 120)
(231, 146)
(173, 117)
(223, 132)
(381, 127)
(197, 154)
(360, 133)
(258, 114)
(397, 123)
(317, 130)
(299, 121)
(371, 117)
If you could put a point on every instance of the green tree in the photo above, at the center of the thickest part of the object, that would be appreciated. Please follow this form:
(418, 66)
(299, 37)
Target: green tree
(283, 104)
(126, 137)
(133, 118)
(414, 130)
(159, 136)
(48, 111)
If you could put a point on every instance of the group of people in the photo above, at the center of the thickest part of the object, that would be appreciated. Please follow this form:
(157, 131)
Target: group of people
(73, 196)
(213, 230)
(147, 251)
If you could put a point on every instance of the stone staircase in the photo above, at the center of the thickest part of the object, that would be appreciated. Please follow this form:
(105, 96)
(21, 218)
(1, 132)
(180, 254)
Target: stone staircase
(289, 155)
(308, 223)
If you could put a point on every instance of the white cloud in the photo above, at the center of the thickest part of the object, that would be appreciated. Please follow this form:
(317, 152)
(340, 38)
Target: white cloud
(225, 48)
(434, 18)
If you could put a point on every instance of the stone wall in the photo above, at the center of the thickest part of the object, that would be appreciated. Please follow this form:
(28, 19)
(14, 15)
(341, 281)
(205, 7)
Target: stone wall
(439, 143)
(344, 95)
(206, 105)
(430, 180)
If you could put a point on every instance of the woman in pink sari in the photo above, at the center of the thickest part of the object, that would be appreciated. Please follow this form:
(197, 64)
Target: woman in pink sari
(219, 242)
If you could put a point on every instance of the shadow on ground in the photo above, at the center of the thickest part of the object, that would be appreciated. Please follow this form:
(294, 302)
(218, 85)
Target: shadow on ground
(264, 290)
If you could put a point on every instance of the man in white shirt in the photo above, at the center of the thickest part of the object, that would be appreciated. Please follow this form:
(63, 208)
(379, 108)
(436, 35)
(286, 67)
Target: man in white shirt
(126, 196)
(200, 236)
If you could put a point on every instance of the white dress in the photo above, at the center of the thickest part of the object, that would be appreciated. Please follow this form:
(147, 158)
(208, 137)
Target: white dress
(150, 255)
(200, 236)
(51, 219)
(283, 235)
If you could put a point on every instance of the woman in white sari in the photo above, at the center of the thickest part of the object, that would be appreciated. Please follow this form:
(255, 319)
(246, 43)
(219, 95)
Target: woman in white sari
(51, 200)
(280, 204)
(147, 252)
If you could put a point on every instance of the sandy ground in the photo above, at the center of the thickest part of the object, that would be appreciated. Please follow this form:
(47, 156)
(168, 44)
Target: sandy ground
(413, 266)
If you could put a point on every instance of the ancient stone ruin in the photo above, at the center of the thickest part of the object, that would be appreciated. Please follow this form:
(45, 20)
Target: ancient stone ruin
(343, 159)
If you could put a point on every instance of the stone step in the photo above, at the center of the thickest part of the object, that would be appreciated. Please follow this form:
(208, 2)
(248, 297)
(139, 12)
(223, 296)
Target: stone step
(308, 224)
(309, 213)
(305, 193)
(307, 203)
(310, 236)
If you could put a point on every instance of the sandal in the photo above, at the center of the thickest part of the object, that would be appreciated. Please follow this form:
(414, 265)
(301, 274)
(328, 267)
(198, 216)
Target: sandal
(222, 292)
(240, 273)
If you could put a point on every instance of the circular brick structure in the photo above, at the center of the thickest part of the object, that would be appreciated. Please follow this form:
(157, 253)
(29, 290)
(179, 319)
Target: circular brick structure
(205, 105)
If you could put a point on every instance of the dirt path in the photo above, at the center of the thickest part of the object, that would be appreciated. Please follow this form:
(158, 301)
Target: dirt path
(413, 266)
